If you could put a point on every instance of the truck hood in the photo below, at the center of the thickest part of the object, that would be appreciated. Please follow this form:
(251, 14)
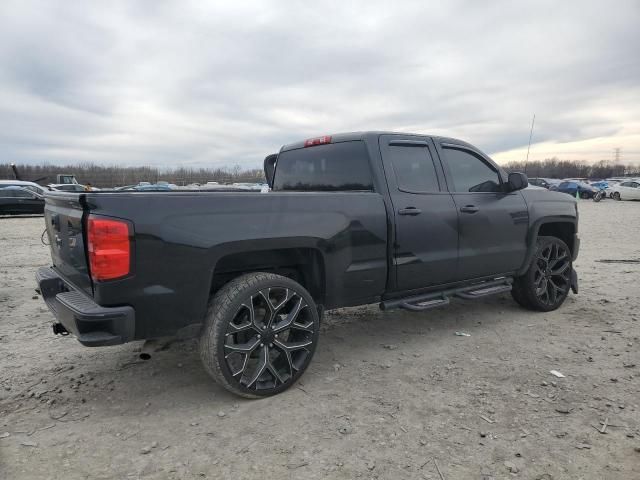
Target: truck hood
(543, 195)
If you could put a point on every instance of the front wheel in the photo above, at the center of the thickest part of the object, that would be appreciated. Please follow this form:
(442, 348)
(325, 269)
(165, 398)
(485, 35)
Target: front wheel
(616, 196)
(546, 284)
(260, 333)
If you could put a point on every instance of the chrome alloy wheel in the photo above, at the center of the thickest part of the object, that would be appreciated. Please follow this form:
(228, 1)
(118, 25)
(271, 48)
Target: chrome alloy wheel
(269, 339)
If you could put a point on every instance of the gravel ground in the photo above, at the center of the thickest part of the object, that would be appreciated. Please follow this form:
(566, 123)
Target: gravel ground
(388, 394)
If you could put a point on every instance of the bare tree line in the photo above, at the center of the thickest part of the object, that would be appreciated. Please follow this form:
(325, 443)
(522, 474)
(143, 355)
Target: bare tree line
(556, 168)
(111, 176)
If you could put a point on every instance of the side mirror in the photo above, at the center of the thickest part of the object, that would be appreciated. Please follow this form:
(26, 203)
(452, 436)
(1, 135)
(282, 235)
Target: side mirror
(270, 168)
(517, 181)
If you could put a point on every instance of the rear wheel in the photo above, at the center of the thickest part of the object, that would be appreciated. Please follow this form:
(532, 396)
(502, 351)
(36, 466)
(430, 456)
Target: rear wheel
(616, 196)
(260, 334)
(546, 284)
(584, 195)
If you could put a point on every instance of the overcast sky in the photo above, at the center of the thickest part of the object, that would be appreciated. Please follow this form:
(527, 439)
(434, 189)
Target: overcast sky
(169, 83)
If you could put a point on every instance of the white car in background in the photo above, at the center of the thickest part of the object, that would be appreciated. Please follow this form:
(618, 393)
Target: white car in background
(627, 190)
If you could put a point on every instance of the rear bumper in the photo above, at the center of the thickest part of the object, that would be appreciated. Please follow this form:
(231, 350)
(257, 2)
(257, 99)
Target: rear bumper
(93, 325)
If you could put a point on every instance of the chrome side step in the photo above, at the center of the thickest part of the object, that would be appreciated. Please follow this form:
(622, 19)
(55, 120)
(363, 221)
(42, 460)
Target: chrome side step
(430, 300)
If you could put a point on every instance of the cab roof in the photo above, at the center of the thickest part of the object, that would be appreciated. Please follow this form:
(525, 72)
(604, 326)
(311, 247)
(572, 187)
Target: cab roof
(352, 136)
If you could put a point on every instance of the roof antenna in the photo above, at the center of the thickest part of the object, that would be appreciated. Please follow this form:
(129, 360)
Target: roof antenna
(530, 135)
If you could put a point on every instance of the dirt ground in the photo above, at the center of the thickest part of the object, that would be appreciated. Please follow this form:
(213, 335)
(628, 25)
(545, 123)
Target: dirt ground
(388, 394)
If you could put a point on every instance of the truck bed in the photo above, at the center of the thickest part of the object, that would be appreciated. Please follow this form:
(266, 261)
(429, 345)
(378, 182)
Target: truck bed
(182, 239)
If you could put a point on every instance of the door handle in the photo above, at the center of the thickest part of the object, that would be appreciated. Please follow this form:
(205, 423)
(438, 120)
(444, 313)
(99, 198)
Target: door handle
(409, 211)
(469, 209)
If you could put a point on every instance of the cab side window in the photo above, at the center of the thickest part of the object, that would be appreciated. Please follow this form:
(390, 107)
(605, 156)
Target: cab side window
(470, 173)
(414, 168)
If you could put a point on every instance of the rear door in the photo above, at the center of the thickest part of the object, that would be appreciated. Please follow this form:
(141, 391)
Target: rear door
(29, 201)
(23, 199)
(425, 249)
(8, 202)
(493, 225)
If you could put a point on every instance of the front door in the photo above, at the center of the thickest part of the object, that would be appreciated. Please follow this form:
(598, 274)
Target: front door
(425, 249)
(493, 224)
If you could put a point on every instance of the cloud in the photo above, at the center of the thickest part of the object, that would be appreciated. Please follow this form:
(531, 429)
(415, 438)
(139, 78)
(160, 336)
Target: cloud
(189, 83)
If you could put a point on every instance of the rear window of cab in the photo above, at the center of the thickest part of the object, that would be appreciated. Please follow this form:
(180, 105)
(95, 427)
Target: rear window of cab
(330, 167)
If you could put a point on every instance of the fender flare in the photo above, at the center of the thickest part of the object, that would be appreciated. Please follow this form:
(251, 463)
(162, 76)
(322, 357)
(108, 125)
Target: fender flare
(532, 237)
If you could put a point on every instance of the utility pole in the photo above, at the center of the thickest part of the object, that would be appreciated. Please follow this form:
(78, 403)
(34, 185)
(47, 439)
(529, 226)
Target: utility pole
(616, 154)
(529, 147)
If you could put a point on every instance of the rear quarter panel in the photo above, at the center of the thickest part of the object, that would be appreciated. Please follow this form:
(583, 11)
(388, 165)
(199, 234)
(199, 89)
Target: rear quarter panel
(180, 237)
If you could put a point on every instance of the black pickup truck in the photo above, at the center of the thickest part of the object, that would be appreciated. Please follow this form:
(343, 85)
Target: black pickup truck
(402, 220)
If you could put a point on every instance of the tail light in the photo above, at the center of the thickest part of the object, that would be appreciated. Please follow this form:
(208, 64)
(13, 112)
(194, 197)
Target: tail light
(312, 142)
(109, 248)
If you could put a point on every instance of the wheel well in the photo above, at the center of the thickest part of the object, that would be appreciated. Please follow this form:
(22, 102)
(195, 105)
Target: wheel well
(562, 230)
(304, 265)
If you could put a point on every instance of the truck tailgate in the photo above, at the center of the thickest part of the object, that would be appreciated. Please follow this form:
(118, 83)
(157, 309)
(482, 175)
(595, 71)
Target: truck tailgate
(63, 215)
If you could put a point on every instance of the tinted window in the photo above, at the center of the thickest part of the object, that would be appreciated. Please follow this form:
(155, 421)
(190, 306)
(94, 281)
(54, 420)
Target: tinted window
(22, 194)
(625, 184)
(15, 193)
(35, 189)
(469, 173)
(332, 167)
(414, 168)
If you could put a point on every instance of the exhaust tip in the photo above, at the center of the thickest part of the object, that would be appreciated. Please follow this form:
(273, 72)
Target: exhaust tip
(145, 356)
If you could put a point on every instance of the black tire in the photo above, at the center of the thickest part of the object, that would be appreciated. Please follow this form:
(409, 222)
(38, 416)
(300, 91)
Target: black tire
(616, 196)
(260, 334)
(585, 195)
(546, 284)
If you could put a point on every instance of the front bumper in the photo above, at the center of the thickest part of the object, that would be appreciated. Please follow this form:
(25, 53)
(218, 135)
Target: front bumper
(93, 325)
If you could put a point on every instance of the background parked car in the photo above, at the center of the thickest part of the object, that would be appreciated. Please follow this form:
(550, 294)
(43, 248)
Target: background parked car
(626, 190)
(67, 187)
(571, 187)
(34, 187)
(18, 200)
(539, 182)
(150, 188)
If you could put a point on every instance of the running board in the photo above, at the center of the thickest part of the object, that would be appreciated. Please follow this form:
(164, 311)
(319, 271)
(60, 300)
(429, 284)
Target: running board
(426, 304)
(485, 292)
(427, 301)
